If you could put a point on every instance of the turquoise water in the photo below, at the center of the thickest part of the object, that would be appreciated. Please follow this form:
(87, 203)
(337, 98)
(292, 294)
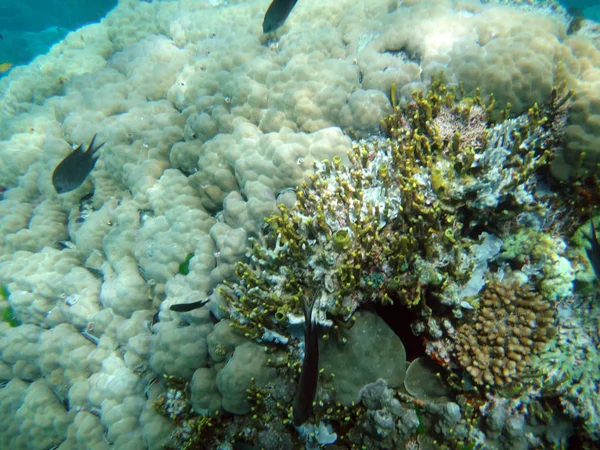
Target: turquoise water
(30, 27)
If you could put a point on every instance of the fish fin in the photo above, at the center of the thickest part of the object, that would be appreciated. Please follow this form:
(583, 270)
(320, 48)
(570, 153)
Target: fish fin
(91, 150)
(77, 150)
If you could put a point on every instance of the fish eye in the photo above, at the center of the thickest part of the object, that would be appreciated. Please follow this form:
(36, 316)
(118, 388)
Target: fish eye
(71, 299)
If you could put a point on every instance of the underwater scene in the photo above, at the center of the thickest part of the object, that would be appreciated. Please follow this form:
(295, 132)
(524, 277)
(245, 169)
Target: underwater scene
(282, 224)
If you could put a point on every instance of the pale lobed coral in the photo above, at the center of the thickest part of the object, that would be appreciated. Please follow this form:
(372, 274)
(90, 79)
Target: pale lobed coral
(205, 397)
(40, 418)
(580, 155)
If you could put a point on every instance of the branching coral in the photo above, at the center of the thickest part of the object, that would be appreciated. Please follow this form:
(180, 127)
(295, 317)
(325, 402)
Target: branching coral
(512, 325)
(474, 162)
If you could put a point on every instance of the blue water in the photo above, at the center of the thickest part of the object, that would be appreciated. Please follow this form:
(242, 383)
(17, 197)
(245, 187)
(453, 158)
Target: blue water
(579, 3)
(29, 28)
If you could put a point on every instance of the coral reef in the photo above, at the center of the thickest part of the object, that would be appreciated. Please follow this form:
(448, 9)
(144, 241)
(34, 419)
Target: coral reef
(209, 127)
(391, 226)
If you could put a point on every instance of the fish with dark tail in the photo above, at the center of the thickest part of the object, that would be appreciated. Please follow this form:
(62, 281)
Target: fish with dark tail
(276, 15)
(593, 253)
(186, 307)
(74, 169)
(307, 386)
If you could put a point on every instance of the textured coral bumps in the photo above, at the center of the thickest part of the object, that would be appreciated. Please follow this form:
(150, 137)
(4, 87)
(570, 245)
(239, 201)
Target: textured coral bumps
(512, 326)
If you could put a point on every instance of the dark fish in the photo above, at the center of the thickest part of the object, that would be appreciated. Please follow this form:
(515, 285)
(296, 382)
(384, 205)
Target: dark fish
(593, 253)
(74, 169)
(185, 307)
(307, 386)
(278, 12)
(577, 19)
(244, 446)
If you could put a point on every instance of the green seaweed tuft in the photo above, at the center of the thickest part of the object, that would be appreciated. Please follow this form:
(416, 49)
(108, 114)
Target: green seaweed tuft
(8, 316)
(184, 267)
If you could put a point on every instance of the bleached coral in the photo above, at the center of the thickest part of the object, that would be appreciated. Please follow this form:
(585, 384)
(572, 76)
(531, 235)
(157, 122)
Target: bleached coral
(580, 154)
(51, 287)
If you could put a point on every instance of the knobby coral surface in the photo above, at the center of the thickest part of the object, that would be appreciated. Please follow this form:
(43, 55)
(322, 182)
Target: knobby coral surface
(512, 325)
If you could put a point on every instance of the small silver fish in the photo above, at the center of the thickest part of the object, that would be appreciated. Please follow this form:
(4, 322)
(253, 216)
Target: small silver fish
(74, 169)
(278, 12)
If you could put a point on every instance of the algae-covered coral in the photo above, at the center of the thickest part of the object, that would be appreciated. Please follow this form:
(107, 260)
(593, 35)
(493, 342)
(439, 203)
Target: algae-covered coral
(388, 225)
(395, 225)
